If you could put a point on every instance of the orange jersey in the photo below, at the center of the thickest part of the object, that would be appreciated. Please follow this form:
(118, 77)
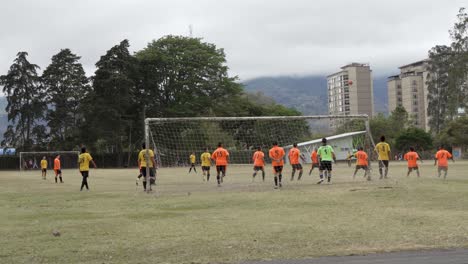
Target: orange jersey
(277, 153)
(258, 158)
(220, 156)
(442, 157)
(293, 155)
(313, 157)
(361, 157)
(56, 164)
(411, 157)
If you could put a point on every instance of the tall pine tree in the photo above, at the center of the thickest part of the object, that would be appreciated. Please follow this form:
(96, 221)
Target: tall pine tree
(25, 102)
(66, 86)
(112, 110)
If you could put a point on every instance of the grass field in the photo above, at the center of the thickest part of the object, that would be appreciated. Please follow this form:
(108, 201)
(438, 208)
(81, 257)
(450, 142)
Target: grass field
(190, 221)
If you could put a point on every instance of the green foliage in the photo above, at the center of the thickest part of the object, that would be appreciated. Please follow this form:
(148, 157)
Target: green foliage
(413, 137)
(455, 133)
(66, 86)
(25, 102)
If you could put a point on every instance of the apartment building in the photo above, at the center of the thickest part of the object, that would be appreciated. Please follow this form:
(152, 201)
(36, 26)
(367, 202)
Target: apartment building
(350, 91)
(409, 89)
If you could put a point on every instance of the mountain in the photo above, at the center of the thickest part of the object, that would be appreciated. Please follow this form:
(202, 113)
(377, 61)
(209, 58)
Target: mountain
(308, 94)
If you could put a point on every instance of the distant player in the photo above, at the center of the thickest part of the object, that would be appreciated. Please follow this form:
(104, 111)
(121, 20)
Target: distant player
(412, 157)
(84, 159)
(326, 155)
(259, 163)
(58, 168)
(441, 158)
(315, 161)
(44, 167)
(362, 163)
(294, 155)
(193, 160)
(220, 156)
(277, 154)
(383, 149)
(143, 165)
(206, 164)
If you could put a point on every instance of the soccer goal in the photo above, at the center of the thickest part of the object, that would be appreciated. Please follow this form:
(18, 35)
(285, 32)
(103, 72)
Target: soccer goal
(175, 139)
(32, 160)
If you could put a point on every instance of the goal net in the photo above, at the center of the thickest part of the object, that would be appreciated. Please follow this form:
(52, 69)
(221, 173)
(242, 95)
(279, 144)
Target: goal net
(32, 160)
(175, 139)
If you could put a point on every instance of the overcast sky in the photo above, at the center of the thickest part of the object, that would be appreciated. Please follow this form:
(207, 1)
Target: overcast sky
(260, 37)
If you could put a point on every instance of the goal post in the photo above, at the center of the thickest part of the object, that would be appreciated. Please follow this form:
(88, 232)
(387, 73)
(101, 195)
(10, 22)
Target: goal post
(32, 160)
(174, 139)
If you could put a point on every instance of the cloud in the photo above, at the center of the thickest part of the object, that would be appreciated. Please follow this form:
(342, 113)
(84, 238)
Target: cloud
(260, 37)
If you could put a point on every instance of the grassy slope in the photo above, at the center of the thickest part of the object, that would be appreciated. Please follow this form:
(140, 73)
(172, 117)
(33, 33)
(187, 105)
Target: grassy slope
(189, 221)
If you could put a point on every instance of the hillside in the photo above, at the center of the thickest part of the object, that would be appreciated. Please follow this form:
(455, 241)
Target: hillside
(308, 94)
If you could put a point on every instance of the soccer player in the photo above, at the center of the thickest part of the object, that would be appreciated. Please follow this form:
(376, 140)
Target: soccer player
(362, 163)
(293, 156)
(326, 155)
(142, 164)
(220, 156)
(441, 157)
(412, 157)
(44, 167)
(57, 168)
(84, 159)
(259, 163)
(276, 154)
(206, 164)
(193, 159)
(383, 149)
(315, 161)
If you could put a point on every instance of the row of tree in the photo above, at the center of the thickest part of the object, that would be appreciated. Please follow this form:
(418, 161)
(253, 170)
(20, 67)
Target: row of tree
(174, 76)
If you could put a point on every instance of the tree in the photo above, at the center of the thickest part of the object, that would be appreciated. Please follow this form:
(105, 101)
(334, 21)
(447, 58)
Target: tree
(66, 86)
(415, 137)
(455, 133)
(25, 101)
(448, 76)
(184, 76)
(111, 110)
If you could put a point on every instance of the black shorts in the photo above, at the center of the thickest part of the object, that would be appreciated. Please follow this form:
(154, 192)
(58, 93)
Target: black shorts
(297, 166)
(257, 168)
(192, 165)
(143, 171)
(205, 168)
(412, 168)
(364, 167)
(84, 173)
(58, 171)
(325, 165)
(278, 168)
(221, 168)
(442, 168)
(315, 165)
(383, 163)
(44, 170)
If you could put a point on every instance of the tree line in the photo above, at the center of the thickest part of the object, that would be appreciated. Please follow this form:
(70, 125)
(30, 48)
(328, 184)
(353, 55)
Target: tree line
(173, 76)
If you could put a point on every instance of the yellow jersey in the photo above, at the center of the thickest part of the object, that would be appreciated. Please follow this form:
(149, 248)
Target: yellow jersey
(205, 159)
(192, 158)
(383, 150)
(142, 158)
(43, 164)
(84, 160)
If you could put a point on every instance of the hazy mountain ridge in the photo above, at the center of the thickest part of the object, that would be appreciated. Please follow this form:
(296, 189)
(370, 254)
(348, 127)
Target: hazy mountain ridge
(308, 94)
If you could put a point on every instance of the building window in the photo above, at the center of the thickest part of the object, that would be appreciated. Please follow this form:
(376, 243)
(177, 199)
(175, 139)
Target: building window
(415, 102)
(346, 102)
(415, 96)
(415, 110)
(414, 83)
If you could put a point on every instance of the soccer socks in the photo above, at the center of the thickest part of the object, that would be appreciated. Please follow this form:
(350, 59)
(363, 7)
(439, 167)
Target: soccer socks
(280, 177)
(195, 169)
(190, 170)
(55, 179)
(218, 178)
(144, 185)
(300, 175)
(292, 174)
(263, 175)
(85, 183)
(61, 179)
(276, 181)
(208, 176)
(381, 173)
(254, 174)
(386, 172)
(329, 176)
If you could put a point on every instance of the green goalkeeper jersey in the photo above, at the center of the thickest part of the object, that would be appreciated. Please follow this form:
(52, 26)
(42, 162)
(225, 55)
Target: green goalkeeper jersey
(325, 153)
